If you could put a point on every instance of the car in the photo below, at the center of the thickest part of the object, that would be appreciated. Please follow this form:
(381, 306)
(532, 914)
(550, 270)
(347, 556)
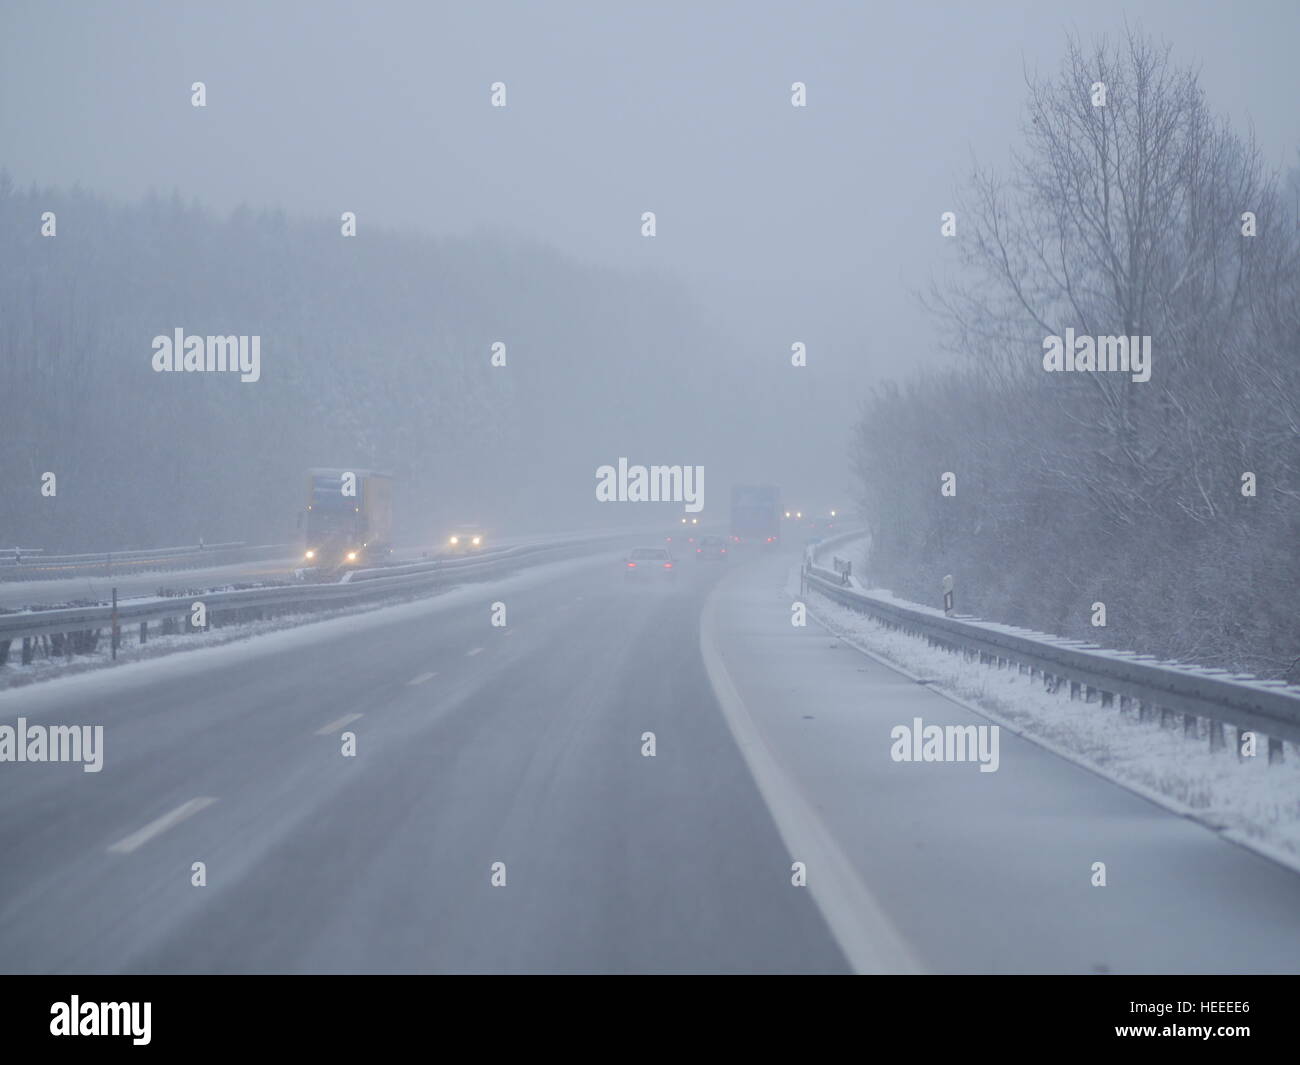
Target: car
(465, 539)
(685, 536)
(649, 563)
(714, 547)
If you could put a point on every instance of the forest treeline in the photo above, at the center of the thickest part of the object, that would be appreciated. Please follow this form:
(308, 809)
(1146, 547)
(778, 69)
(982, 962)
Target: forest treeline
(376, 351)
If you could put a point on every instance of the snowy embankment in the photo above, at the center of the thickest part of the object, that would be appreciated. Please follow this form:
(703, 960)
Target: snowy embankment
(1246, 800)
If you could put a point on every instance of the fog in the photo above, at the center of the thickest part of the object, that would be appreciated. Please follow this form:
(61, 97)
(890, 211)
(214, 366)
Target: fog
(775, 224)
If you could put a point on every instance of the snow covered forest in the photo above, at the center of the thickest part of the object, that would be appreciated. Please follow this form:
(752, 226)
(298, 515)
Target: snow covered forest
(1174, 502)
(376, 351)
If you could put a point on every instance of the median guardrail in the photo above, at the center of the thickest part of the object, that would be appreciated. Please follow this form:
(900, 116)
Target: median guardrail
(22, 565)
(383, 582)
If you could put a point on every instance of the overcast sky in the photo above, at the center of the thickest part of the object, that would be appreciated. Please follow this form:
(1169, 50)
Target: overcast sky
(790, 224)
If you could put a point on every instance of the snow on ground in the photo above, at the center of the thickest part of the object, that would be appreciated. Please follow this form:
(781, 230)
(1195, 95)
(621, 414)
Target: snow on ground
(1248, 800)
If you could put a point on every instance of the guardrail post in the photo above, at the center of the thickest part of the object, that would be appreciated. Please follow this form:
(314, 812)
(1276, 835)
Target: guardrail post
(1145, 710)
(116, 630)
(27, 650)
(1074, 691)
(1217, 740)
(1107, 699)
(1274, 751)
(1189, 724)
(144, 632)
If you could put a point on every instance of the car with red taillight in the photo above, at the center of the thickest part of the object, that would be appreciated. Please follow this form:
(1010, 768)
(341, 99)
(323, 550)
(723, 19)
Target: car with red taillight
(649, 563)
(713, 548)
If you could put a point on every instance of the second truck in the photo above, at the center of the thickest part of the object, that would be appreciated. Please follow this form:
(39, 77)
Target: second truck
(756, 514)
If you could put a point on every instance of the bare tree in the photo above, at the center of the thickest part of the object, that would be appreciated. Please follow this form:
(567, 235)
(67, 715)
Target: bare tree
(1129, 210)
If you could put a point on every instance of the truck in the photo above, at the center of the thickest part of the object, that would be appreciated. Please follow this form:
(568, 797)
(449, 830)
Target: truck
(349, 517)
(756, 514)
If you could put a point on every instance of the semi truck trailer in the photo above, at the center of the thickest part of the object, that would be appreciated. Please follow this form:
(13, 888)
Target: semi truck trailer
(349, 517)
(756, 514)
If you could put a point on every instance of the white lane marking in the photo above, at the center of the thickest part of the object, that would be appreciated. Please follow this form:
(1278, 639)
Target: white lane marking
(421, 678)
(473, 651)
(860, 927)
(334, 726)
(156, 828)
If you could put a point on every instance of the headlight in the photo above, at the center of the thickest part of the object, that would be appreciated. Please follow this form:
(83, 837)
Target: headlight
(455, 539)
(310, 555)
(352, 556)
(476, 540)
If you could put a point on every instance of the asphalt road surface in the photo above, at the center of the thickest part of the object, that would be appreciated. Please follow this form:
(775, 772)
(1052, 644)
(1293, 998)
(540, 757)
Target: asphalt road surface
(523, 745)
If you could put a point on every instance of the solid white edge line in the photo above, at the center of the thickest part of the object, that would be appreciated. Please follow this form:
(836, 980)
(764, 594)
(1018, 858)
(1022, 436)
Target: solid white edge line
(866, 936)
(155, 828)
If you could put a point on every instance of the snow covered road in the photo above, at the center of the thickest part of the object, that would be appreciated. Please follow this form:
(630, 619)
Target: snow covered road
(501, 812)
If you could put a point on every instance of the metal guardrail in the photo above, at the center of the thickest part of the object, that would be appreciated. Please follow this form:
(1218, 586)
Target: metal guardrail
(104, 563)
(365, 584)
(1217, 695)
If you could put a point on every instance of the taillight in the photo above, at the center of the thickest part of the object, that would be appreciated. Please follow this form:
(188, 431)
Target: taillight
(699, 550)
(668, 565)
(632, 565)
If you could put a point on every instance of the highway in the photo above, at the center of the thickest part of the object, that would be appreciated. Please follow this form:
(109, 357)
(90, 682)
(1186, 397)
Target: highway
(522, 745)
